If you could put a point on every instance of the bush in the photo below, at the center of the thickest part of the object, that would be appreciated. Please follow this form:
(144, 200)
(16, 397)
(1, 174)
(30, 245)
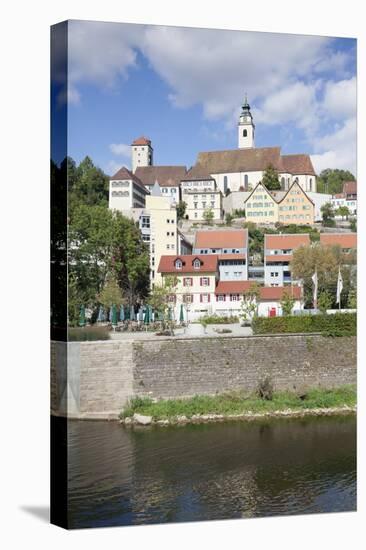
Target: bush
(265, 389)
(88, 334)
(337, 324)
(218, 320)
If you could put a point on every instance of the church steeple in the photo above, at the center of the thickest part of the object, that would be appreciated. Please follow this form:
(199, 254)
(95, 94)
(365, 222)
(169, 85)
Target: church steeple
(246, 127)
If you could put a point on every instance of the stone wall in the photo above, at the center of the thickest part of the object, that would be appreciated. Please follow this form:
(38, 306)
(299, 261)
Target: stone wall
(102, 376)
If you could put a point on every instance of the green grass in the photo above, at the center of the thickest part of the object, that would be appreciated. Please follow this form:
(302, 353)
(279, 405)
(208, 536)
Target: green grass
(238, 403)
(88, 334)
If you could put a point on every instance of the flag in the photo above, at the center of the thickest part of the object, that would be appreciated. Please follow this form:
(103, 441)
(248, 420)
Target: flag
(314, 278)
(339, 286)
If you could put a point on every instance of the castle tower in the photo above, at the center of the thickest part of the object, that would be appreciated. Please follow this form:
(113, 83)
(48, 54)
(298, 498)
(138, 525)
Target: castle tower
(246, 127)
(142, 153)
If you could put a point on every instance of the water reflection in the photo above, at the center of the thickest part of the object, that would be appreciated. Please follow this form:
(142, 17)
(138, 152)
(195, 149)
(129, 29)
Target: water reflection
(122, 476)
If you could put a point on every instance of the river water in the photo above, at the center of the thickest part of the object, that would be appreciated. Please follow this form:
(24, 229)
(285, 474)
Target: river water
(130, 476)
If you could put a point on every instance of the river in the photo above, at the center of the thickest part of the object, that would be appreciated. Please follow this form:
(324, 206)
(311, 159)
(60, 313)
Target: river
(131, 476)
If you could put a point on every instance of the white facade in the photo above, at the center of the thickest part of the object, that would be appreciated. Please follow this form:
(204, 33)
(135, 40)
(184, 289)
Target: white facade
(125, 194)
(246, 128)
(351, 204)
(142, 155)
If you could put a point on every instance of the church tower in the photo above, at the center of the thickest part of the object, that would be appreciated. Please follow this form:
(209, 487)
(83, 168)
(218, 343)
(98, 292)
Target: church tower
(246, 127)
(142, 153)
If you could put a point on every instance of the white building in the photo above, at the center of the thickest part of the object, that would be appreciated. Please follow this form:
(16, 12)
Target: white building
(319, 199)
(200, 194)
(278, 253)
(126, 191)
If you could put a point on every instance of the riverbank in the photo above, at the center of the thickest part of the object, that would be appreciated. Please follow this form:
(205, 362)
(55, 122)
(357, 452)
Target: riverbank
(237, 406)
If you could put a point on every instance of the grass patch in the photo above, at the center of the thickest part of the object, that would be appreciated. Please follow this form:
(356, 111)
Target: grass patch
(238, 403)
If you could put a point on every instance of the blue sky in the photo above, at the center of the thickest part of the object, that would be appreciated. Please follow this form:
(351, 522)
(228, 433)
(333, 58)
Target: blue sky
(183, 89)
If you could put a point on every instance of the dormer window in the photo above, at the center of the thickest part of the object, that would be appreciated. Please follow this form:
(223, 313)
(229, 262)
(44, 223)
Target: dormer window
(178, 264)
(196, 264)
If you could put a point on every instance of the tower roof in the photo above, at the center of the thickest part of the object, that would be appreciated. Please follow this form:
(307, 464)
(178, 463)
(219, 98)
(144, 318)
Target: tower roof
(142, 141)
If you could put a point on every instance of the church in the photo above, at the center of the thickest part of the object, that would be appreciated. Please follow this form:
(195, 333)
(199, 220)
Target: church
(217, 173)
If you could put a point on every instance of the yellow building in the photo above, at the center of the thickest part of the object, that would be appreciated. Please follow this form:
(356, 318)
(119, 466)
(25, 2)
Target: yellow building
(296, 207)
(261, 206)
(291, 206)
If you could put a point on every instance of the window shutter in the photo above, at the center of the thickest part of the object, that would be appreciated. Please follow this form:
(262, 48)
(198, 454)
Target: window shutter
(209, 297)
(200, 297)
(184, 282)
(191, 281)
(224, 297)
(201, 279)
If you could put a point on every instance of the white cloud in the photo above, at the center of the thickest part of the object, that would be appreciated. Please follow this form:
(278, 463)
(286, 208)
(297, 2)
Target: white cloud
(120, 149)
(113, 166)
(340, 98)
(337, 149)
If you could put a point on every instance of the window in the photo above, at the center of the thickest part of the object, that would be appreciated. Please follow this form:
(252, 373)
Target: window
(234, 297)
(212, 203)
(274, 273)
(196, 264)
(195, 205)
(204, 205)
(187, 281)
(205, 281)
(178, 264)
(168, 221)
(220, 298)
(225, 184)
(246, 180)
(171, 298)
(187, 298)
(245, 133)
(205, 298)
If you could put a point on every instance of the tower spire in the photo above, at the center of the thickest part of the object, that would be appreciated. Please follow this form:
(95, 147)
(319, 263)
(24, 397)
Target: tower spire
(246, 126)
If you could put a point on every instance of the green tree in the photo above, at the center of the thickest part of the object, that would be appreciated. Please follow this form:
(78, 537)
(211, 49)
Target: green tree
(208, 216)
(325, 260)
(87, 184)
(353, 225)
(271, 179)
(181, 209)
(287, 303)
(343, 211)
(229, 218)
(105, 244)
(352, 298)
(331, 180)
(111, 294)
(325, 301)
(327, 214)
(249, 303)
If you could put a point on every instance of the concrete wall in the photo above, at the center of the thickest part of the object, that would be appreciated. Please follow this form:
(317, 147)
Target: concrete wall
(100, 377)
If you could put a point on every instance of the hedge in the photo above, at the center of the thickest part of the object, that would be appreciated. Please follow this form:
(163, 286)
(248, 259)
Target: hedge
(337, 324)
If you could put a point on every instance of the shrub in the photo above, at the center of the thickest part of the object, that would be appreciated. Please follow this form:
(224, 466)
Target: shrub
(337, 324)
(88, 334)
(218, 320)
(265, 389)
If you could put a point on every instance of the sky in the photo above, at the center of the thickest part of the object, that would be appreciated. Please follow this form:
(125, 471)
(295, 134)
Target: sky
(183, 88)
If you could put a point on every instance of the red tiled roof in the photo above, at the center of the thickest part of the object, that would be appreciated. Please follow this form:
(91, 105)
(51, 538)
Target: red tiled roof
(197, 173)
(232, 287)
(344, 240)
(142, 141)
(277, 292)
(350, 187)
(238, 160)
(226, 238)
(339, 196)
(231, 256)
(125, 174)
(166, 176)
(278, 258)
(208, 263)
(297, 164)
(286, 241)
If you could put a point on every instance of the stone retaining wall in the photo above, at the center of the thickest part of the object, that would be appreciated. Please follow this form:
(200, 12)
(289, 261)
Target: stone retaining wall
(98, 378)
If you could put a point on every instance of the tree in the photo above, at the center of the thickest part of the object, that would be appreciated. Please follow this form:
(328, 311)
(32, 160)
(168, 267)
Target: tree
(208, 216)
(104, 244)
(343, 211)
(229, 218)
(325, 301)
(111, 294)
(87, 184)
(325, 260)
(327, 214)
(353, 225)
(181, 209)
(287, 303)
(158, 298)
(270, 178)
(352, 298)
(249, 303)
(331, 180)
